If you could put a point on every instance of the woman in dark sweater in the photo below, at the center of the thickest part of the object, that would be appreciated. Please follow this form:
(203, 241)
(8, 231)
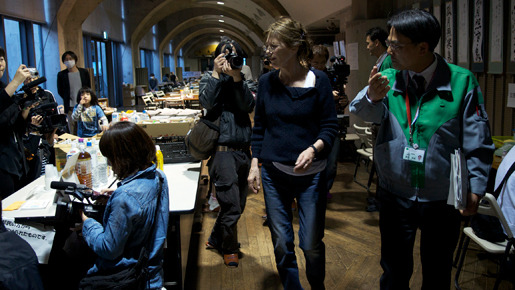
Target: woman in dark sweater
(294, 126)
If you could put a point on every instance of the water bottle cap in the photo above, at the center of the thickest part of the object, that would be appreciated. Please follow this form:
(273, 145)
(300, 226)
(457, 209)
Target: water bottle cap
(88, 144)
(81, 140)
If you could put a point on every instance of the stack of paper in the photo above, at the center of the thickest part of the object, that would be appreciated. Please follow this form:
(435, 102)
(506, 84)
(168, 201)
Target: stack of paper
(458, 189)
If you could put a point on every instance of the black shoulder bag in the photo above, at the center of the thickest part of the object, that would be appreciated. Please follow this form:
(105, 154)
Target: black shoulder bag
(134, 277)
(202, 139)
(489, 227)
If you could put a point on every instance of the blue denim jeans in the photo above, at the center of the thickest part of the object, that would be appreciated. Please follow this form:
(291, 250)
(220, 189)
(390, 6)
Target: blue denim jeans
(310, 192)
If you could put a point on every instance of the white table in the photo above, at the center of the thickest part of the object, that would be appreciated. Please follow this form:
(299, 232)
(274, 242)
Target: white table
(183, 179)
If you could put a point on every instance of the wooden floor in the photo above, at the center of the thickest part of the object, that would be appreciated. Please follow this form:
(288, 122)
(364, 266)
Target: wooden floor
(352, 248)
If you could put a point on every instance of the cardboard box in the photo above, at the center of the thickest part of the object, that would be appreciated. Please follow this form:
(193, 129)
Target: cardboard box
(177, 128)
(60, 155)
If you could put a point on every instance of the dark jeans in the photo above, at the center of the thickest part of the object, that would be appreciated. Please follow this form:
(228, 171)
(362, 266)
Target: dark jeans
(229, 171)
(439, 225)
(310, 191)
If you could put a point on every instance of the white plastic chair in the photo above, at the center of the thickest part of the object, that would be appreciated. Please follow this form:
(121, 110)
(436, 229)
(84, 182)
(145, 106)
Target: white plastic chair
(488, 206)
(365, 152)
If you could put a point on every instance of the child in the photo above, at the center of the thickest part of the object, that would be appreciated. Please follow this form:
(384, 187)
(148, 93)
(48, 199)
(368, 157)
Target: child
(90, 118)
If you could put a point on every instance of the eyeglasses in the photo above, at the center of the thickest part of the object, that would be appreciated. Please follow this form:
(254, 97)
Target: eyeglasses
(270, 47)
(396, 45)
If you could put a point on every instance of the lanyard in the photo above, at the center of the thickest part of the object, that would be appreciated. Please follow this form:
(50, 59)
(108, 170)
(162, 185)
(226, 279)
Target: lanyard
(408, 113)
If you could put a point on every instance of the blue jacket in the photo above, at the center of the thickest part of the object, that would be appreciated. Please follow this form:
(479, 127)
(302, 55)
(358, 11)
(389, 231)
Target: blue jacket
(287, 120)
(128, 220)
(452, 115)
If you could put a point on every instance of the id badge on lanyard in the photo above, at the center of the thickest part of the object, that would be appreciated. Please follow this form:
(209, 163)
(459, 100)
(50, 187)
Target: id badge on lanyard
(412, 152)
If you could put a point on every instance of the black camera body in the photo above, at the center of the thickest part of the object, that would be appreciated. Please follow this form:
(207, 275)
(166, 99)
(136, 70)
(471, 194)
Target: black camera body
(51, 118)
(338, 73)
(233, 58)
(46, 108)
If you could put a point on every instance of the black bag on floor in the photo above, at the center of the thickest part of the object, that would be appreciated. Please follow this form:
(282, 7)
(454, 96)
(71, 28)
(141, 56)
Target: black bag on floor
(133, 278)
(487, 227)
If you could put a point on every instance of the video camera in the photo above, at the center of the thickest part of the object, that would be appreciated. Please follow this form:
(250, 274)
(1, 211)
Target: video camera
(46, 108)
(233, 58)
(69, 210)
(338, 73)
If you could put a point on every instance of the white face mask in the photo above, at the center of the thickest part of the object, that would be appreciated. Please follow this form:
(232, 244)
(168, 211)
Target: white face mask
(69, 63)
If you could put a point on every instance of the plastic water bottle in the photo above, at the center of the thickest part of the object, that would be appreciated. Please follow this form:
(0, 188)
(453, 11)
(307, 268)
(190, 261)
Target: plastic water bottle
(74, 149)
(115, 117)
(93, 153)
(102, 170)
(159, 157)
(83, 167)
(145, 116)
(135, 118)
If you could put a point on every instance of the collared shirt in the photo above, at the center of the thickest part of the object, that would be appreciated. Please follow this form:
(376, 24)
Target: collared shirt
(427, 73)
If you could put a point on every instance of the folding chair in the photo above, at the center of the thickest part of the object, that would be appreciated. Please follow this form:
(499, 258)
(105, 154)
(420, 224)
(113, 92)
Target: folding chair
(365, 153)
(148, 98)
(489, 206)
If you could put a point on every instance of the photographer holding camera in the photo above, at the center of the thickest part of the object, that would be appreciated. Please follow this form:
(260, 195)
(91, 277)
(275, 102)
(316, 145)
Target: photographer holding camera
(225, 95)
(43, 127)
(13, 164)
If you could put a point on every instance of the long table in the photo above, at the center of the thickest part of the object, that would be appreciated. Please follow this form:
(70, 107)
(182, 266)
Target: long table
(183, 179)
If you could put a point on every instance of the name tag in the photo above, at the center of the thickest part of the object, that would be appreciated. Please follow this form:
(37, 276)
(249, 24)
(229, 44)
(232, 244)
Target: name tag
(412, 154)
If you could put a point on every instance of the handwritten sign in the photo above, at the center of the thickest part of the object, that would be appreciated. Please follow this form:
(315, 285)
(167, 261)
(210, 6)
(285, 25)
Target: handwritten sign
(449, 32)
(39, 237)
(477, 36)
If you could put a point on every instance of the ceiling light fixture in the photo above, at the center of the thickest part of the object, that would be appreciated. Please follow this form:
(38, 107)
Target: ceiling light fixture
(220, 20)
(220, 3)
(221, 30)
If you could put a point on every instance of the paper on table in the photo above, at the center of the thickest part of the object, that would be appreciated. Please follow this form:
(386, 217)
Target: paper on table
(35, 204)
(14, 206)
(458, 185)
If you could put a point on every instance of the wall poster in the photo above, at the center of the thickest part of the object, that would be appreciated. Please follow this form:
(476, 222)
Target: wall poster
(464, 35)
(495, 63)
(449, 32)
(478, 31)
(511, 46)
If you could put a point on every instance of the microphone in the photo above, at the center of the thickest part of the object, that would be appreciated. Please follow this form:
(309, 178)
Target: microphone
(62, 185)
(32, 84)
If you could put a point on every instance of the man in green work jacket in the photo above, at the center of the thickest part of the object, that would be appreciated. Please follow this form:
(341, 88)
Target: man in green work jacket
(427, 108)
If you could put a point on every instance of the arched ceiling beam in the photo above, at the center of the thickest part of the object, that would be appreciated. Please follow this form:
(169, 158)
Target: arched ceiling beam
(194, 24)
(244, 43)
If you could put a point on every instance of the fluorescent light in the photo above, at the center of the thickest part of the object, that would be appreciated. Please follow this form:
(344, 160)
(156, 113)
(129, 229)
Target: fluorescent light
(221, 30)
(220, 3)
(220, 20)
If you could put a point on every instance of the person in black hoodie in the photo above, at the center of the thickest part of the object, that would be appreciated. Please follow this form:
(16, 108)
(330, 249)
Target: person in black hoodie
(224, 93)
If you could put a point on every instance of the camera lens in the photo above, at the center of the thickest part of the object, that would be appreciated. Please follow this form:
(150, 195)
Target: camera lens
(266, 62)
(236, 62)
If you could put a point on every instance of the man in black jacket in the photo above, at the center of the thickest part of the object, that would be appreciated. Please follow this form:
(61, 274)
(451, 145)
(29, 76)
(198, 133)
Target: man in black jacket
(69, 82)
(224, 93)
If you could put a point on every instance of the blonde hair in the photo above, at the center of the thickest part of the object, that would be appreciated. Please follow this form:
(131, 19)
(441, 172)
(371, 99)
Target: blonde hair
(292, 33)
